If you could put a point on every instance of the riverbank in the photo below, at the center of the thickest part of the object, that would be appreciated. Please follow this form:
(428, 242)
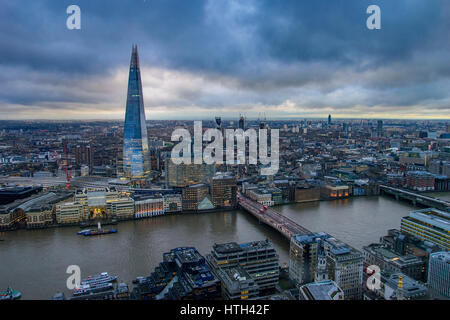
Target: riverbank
(35, 261)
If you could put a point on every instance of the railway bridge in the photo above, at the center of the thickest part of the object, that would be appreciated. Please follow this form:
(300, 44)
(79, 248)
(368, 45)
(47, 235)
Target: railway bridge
(416, 198)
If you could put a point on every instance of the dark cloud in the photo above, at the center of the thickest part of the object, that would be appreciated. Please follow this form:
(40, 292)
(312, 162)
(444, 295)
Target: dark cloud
(315, 54)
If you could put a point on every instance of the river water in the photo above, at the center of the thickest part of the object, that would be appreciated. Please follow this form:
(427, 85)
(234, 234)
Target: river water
(35, 261)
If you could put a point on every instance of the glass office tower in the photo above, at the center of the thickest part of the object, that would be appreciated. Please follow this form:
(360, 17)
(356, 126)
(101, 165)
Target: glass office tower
(136, 157)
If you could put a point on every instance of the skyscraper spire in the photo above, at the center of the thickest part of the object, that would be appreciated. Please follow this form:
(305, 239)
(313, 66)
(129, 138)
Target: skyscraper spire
(136, 157)
(134, 57)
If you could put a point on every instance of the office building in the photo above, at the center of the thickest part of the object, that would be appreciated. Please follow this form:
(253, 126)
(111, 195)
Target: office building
(96, 203)
(148, 206)
(260, 195)
(121, 208)
(303, 256)
(397, 286)
(258, 258)
(345, 267)
(323, 290)
(196, 198)
(344, 264)
(223, 191)
(404, 244)
(93, 201)
(172, 203)
(388, 260)
(429, 225)
(136, 157)
(439, 274)
(183, 175)
(237, 284)
(69, 213)
(182, 275)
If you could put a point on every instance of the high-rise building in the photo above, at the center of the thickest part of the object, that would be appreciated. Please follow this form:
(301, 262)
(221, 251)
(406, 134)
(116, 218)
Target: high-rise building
(329, 119)
(218, 123)
(242, 123)
(136, 158)
(344, 264)
(83, 155)
(380, 128)
(303, 256)
(439, 273)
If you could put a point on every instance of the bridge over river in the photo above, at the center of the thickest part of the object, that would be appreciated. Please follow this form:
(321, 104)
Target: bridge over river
(274, 219)
(416, 198)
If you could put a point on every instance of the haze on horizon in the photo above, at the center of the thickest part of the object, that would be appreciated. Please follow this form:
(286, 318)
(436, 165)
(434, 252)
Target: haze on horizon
(206, 58)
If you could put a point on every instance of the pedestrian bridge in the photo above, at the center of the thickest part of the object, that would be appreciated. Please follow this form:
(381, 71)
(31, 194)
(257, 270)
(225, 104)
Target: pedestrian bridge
(272, 218)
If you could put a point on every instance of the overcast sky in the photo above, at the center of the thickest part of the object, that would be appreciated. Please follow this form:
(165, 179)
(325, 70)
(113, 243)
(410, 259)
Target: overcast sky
(284, 58)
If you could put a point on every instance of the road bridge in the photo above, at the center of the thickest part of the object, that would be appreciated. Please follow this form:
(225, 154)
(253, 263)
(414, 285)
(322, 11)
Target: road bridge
(272, 218)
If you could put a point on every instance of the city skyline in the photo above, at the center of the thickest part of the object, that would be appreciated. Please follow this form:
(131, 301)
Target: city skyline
(302, 60)
(286, 151)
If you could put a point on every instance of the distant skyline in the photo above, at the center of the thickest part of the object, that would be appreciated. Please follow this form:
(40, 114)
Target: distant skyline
(206, 58)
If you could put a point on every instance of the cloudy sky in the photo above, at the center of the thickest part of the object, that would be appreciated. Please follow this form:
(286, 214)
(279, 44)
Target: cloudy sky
(201, 58)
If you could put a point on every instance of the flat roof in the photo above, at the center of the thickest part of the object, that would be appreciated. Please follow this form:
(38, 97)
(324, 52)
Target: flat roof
(444, 256)
(433, 217)
(324, 290)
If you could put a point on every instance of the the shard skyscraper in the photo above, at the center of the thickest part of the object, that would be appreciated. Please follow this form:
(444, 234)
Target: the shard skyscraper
(136, 158)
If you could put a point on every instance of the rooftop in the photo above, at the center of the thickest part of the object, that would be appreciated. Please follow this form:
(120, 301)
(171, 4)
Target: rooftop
(234, 247)
(410, 286)
(324, 290)
(444, 256)
(434, 217)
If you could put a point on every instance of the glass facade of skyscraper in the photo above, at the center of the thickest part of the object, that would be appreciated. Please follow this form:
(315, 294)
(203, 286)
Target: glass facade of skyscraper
(136, 158)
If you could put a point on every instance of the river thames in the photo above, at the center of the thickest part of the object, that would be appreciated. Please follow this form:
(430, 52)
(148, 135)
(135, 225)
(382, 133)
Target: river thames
(35, 261)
